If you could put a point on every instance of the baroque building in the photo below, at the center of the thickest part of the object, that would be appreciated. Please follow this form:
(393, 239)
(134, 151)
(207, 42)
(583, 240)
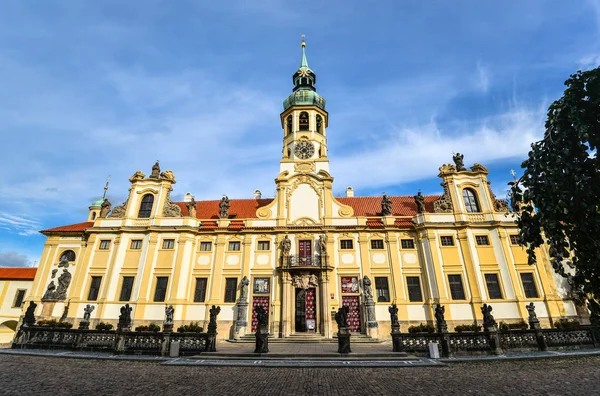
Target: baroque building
(302, 254)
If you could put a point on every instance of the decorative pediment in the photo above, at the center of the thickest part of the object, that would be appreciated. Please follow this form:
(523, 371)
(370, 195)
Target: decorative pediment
(305, 221)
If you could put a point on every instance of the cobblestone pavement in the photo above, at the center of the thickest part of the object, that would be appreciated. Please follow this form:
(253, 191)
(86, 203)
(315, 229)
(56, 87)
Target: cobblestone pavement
(33, 375)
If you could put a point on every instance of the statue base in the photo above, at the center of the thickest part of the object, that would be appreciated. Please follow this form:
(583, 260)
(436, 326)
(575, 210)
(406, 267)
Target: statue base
(397, 342)
(168, 328)
(84, 325)
(344, 342)
(262, 343)
(47, 308)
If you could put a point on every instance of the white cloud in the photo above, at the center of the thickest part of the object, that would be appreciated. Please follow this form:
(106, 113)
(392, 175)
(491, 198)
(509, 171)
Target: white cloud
(21, 225)
(483, 77)
(14, 259)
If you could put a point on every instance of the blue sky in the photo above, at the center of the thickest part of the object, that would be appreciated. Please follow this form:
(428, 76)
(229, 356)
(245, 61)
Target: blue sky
(91, 89)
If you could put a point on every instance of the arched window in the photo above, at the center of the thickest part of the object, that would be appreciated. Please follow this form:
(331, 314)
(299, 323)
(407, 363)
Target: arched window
(303, 121)
(68, 255)
(93, 215)
(470, 200)
(319, 124)
(289, 124)
(146, 206)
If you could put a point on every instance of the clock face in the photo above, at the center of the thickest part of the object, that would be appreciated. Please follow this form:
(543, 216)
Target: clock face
(304, 150)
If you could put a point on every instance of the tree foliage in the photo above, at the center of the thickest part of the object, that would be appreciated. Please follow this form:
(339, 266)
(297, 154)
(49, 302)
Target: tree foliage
(562, 179)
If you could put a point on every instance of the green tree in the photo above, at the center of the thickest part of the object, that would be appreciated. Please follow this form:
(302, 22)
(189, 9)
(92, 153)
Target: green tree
(562, 179)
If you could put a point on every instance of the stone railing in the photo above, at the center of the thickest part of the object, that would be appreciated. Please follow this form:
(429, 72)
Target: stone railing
(151, 343)
(467, 343)
(296, 260)
(476, 217)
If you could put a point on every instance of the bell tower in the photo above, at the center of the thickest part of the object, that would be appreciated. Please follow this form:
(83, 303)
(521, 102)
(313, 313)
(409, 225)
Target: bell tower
(304, 122)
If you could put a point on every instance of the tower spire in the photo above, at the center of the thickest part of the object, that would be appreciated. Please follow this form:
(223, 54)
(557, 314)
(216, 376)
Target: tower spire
(304, 62)
(106, 187)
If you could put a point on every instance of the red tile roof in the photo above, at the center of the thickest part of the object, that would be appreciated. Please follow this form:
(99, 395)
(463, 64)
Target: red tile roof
(401, 205)
(79, 227)
(18, 273)
(239, 208)
(376, 222)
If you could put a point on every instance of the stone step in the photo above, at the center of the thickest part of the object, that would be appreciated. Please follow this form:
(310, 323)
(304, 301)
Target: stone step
(311, 356)
(309, 338)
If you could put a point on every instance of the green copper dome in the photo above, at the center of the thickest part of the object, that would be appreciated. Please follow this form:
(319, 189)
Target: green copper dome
(98, 202)
(304, 86)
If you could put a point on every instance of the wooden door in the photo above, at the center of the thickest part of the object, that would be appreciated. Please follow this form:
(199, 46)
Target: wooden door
(300, 310)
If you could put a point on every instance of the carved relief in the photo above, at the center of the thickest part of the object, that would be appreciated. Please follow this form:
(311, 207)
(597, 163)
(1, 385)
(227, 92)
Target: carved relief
(171, 209)
(500, 205)
(479, 168)
(304, 167)
(105, 208)
(119, 211)
(168, 175)
(345, 211)
(447, 168)
(264, 213)
(139, 175)
(304, 221)
(305, 281)
(444, 204)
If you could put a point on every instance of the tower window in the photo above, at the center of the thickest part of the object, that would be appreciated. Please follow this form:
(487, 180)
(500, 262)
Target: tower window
(146, 206)
(289, 124)
(93, 215)
(68, 255)
(470, 200)
(303, 121)
(319, 124)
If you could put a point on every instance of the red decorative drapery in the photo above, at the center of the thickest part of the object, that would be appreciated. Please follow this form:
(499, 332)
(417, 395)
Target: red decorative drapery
(264, 301)
(353, 314)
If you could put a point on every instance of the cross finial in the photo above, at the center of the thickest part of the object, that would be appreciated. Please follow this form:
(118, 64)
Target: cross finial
(303, 41)
(106, 187)
(514, 174)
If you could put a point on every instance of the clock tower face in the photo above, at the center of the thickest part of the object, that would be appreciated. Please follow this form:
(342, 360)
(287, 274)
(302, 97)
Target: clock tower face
(304, 150)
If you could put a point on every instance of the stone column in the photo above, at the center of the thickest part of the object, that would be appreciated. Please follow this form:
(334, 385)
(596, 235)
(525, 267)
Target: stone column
(285, 304)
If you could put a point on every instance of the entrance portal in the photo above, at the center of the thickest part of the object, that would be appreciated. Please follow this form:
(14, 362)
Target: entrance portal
(353, 312)
(306, 309)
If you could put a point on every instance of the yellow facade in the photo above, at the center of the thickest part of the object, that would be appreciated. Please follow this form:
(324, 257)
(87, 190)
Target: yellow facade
(459, 252)
(15, 284)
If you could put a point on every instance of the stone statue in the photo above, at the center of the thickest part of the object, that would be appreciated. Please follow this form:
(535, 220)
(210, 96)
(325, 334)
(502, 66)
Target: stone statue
(155, 171)
(341, 317)
(64, 280)
(63, 317)
(167, 175)
(169, 311)
(420, 201)
(50, 293)
(444, 204)
(64, 263)
(125, 318)
(305, 281)
(458, 161)
(54, 271)
(119, 211)
(386, 206)
(313, 280)
(244, 289)
(323, 245)
(531, 310)
(105, 208)
(440, 320)
(262, 317)
(212, 324)
(192, 208)
(139, 175)
(171, 209)
(286, 246)
(393, 309)
(224, 207)
(87, 312)
(367, 291)
(29, 319)
(488, 318)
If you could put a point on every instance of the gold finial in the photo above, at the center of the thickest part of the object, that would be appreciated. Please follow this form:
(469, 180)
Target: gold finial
(106, 187)
(303, 42)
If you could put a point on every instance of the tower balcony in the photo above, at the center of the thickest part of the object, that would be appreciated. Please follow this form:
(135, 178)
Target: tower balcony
(297, 261)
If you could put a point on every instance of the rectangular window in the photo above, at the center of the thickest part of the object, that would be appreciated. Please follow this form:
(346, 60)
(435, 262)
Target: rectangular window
(493, 286)
(407, 244)
(382, 289)
(205, 246)
(414, 288)
(376, 243)
(482, 240)
(105, 244)
(126, 288)
(234, 246)
(136, 244)
(514, 239)
(168, 243)
(200, 291)
(456, 287)
(264, 245)
(94, 288)
(529, 285)
(447, 240)
(230, 289)
(346, 244)
(161, 288)
(19, 298)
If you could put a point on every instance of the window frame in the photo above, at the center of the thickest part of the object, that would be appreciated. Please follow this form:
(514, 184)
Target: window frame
(230, 292)
(66, 252)
(411, 289)
(261, 248)
(104, 244)
(462, 286)
(498, 283)
(200, 281)
(147, 212)
(374, 241)
(385, 291)
(234, 243)
(156, 297)
(167, 242)
(94, 287)
(514, 239)
(206, 243)
(123, 289)
(345, 242)
(134, 244)
(533, 283)
(482, 238)
(405, 241)
(471, 201)
(443, 237)
(22, 302)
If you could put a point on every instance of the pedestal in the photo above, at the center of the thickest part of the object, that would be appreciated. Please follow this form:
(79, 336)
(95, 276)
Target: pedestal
(262, 342)
(168, 328)
(84, 325)
(241, 323)
(47, 308)
(344, 342)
